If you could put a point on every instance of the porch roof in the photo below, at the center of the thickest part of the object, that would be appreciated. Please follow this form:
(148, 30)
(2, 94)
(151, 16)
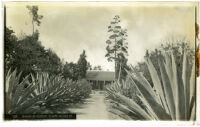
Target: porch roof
(100, 75)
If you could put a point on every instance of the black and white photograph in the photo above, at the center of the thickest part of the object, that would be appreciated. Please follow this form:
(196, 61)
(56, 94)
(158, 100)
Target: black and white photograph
(100, 60)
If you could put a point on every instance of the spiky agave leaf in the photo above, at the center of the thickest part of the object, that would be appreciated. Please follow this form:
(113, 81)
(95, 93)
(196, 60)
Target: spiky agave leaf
(134, 107)
(157, 84)
(171, 98)
(12, 88)
(42, 93)
(167, 90)
(192, 97)
(149, 99)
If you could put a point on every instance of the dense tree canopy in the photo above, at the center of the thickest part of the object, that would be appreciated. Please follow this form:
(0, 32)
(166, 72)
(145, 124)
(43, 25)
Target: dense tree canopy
(77, 70)
(10, 51)
(70, 71)
(28, 55)
(82, 65)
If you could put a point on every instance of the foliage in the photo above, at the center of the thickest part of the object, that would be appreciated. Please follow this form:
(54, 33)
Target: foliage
(117, 47)
(33, 10)
(52, 63)
(171, 98)
(177, 49)
(126, 89)
(77, 70)
(89, 66)
(43, 93)
(10, 51)
(28, 55)
(82, 65)
(70, 71)
(97, 68)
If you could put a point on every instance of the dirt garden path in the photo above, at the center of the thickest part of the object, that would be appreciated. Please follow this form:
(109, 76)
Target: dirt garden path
(95, 107)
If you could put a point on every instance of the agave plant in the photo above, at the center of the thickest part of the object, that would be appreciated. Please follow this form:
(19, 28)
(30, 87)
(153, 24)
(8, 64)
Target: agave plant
(42, 93)
(172, 96)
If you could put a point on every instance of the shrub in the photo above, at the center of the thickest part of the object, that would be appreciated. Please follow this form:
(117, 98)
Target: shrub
(42, 93)
(171, 98)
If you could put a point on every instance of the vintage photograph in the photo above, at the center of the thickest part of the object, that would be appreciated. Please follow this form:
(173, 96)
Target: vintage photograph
(100, 60)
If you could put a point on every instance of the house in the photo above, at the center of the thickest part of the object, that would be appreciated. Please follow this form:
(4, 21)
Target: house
(99, 79)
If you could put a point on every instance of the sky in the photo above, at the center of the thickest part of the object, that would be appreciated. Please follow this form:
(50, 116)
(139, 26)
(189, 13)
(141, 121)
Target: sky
(68, 28)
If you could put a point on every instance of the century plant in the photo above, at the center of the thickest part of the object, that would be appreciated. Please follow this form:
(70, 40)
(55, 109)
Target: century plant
(117, 47)
(42, 93)
(172, 97)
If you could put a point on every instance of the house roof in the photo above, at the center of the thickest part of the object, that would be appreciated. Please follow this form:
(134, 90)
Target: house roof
(100, 75)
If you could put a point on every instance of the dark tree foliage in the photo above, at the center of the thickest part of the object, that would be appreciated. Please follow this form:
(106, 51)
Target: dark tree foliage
(117, 47)
(77, 70)
(29, 53)
(70, 71)
(89, 66)
(53, 62)
(97, 68)
(26, 54)
(10, 51)
(82, 65)
(29, 56)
